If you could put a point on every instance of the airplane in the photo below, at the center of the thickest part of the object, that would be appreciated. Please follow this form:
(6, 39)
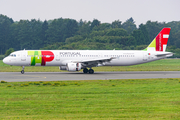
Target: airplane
(75, 60)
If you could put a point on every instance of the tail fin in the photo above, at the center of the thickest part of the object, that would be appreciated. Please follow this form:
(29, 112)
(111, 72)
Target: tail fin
(160, 41)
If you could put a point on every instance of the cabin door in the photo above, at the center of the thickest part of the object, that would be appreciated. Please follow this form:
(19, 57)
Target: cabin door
(23, 56)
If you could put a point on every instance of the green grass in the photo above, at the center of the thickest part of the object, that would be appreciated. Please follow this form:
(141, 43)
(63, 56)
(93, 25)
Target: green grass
(109, 99)
(160, 65)
(1, 57)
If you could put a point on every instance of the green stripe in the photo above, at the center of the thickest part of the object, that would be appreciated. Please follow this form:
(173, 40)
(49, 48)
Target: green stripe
(33, 59)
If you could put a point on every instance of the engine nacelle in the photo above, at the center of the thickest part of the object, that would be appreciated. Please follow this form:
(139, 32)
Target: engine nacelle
(62, 67)
(72, 67)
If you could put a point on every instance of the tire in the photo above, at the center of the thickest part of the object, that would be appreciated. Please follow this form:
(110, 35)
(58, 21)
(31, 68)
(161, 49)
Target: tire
(22, 72)
(85, 70)
(91, 71)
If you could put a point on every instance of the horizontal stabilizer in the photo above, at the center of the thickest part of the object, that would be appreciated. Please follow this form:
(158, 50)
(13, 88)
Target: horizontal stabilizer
(168, 54)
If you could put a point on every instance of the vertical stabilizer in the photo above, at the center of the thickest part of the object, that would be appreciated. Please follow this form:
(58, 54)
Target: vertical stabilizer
(160, 41)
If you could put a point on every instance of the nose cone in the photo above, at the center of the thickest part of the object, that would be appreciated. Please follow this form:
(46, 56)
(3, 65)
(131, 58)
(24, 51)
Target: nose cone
(5, 60)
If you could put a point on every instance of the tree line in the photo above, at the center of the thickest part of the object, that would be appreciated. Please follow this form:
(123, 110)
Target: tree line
(86, 35)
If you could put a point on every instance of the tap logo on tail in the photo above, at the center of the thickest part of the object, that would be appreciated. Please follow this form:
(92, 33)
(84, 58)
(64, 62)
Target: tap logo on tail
(160, 41)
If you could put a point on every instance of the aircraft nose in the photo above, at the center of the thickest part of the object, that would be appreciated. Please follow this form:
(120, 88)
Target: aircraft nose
(5, 60)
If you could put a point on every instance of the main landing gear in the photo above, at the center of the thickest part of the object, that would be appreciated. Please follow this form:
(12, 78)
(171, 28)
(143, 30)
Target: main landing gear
(90, 71)
(22, 71)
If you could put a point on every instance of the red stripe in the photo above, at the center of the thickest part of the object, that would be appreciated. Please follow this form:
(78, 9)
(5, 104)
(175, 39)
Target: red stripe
(157, 43)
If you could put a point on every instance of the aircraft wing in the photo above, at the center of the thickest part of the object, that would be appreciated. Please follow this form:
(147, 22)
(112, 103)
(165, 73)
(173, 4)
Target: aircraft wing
(94, 62)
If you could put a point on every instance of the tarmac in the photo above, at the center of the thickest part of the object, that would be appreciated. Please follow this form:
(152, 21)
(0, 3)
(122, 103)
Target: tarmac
(62, 76)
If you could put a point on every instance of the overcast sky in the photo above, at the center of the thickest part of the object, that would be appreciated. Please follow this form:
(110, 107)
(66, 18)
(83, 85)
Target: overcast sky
(105, 11)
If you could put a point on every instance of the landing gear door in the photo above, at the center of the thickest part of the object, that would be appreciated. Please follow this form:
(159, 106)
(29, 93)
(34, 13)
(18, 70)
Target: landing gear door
(145, 55)
(23, 56)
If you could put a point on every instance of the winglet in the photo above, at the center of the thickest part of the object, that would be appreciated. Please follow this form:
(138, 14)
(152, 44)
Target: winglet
(160, 41)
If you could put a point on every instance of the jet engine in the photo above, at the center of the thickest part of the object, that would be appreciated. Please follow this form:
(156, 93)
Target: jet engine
(72, 67)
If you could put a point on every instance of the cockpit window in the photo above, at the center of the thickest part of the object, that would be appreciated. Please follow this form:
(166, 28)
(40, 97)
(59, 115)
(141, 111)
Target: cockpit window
(12, 55)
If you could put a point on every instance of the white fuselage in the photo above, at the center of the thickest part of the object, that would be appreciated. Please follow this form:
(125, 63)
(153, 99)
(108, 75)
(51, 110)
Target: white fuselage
(62, 57)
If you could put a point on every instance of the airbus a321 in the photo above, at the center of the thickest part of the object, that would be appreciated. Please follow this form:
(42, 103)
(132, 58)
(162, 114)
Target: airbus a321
(75, 60)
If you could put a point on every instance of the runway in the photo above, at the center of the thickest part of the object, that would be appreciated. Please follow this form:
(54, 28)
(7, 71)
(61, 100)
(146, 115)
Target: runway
(61, 76)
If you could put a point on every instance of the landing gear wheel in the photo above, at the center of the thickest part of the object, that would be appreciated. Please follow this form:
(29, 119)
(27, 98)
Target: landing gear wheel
(91, 71)
(22, 72)
(85, 70)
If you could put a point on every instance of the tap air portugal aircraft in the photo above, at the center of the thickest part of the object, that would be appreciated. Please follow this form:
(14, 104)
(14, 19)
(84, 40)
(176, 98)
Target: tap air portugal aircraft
(75, 60)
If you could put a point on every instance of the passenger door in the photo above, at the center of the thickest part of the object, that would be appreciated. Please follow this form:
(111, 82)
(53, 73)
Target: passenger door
(23, 56)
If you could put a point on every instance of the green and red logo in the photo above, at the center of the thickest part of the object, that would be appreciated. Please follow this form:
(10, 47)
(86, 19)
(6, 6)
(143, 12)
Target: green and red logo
(40, 57)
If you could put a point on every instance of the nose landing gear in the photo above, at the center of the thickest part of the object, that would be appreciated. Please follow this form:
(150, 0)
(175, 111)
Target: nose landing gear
(22, 71)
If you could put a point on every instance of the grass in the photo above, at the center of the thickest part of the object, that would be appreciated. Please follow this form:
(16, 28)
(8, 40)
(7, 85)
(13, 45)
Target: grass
(109, 99)
(1, 57)
(160, 65)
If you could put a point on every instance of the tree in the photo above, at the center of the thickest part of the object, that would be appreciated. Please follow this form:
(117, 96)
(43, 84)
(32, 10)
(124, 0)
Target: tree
(80, 23)
(70, 28)
(5, 41)
(116, 32)
(85, 28)
(95, 23)
(35, 27)
(116, 24)
(129, 25)
(177, 42)
(55, 33)
(4, 18)
(13, 37)
(23, 34)
(175, 29)
(44, 29)
(29, 34)
(60, 29)
(9, 51)
(145, 34)
(103, 26)
(141, 35)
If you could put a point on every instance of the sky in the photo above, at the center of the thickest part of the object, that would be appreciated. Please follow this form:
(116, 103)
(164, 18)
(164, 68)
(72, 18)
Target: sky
(105, 11)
